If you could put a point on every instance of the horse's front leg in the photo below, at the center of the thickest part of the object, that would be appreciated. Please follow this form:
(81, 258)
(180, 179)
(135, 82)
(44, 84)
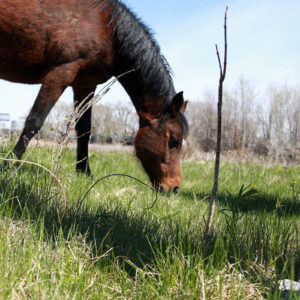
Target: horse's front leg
(53, 85)
(82, 96)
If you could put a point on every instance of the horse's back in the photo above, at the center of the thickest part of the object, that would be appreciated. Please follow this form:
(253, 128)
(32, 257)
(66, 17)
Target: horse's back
(38, 34)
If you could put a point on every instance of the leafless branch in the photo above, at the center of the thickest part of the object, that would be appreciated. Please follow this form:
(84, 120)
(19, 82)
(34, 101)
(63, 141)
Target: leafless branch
(219, 129)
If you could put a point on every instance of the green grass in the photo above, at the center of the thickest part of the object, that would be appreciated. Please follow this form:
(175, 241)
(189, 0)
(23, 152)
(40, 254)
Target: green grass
(113, 246)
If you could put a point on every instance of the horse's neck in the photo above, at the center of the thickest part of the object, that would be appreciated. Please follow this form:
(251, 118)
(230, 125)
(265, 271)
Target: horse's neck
(150, 85)
(143, 98)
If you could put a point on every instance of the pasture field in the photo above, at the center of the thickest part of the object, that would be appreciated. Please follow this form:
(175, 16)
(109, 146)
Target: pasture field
(113, 245)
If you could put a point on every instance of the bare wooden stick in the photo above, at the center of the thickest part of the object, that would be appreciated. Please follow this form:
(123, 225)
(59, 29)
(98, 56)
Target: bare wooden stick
(219, 129)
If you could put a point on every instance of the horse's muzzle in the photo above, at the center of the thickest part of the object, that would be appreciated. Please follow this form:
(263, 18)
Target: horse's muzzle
(163, 189)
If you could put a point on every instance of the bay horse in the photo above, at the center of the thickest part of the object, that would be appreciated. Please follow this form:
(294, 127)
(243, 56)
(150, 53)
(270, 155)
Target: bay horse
(83, 43)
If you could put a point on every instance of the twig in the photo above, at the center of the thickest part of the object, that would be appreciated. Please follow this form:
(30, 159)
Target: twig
(123, 175)
(219, 130)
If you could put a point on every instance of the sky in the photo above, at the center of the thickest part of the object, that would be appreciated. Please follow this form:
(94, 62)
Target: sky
(263, 47)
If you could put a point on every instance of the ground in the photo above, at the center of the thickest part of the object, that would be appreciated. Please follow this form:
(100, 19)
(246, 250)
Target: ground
(113, 244)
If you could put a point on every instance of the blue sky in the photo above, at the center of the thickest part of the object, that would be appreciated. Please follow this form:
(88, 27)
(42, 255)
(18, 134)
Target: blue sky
(263, 46)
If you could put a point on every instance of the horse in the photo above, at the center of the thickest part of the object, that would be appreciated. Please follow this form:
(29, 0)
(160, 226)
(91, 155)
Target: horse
(83, 43)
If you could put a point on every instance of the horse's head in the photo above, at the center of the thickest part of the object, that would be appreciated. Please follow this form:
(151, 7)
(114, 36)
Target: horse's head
(158, 145)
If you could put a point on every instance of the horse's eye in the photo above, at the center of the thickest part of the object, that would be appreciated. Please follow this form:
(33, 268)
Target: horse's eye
(173, 142)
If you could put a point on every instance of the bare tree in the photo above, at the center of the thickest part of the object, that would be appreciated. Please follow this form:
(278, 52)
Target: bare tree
(278, 97)
(127, 118)
(265, 120)
(114, 121)
(246, 95)
(56, 121)
(230, 121)
(202, 115)
(293, 117)
(219, 131)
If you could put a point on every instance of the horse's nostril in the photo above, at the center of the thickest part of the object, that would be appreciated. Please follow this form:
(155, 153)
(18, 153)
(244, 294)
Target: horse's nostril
(176, 189)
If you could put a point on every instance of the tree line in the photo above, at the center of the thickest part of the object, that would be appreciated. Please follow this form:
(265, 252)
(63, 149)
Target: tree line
(251, 119)
(111, 123)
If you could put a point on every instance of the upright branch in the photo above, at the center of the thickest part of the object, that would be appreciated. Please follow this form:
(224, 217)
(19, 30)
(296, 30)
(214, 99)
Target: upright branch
(219, 129)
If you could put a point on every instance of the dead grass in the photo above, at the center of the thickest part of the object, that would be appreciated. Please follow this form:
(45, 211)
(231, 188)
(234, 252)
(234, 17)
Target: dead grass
(93, 147)
(230, 284)
(283, 157)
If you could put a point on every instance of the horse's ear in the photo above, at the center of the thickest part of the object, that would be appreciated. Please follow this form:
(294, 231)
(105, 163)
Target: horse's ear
(177, 104)
(183, 108)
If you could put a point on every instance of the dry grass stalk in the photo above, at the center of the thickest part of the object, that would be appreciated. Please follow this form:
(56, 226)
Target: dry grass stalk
(45, 169)
(79, 110)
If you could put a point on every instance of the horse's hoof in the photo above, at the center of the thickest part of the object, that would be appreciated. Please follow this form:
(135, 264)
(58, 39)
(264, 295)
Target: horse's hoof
(84, 172)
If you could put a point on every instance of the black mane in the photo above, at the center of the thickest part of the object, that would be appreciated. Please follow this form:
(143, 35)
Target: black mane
(136, 47)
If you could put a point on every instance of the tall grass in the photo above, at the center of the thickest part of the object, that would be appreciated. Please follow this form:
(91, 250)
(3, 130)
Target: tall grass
(114, 246)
